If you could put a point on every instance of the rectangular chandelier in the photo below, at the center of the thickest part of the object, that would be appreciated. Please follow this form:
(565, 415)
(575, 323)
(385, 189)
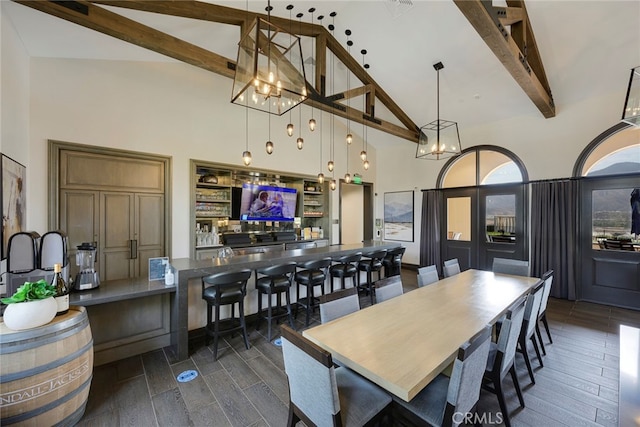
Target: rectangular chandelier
(270, 73)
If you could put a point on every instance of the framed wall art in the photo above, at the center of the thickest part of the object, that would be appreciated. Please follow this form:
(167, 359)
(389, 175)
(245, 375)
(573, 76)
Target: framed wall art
(398, 216)
(14, 200)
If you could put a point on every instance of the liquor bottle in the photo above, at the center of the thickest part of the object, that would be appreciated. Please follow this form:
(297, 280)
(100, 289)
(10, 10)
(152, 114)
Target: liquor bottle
(62, 290)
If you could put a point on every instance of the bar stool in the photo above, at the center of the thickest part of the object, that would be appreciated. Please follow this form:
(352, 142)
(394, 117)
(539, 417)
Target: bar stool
(345, 267)
(315, 274)
(392, 262)
(226, 288)
(276, 280)
(371, 262)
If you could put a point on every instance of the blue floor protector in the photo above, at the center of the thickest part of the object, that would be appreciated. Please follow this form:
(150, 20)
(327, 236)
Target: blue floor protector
(187, 376)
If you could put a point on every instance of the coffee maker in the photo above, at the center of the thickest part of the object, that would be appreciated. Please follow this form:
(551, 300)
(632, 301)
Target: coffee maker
(87, 277)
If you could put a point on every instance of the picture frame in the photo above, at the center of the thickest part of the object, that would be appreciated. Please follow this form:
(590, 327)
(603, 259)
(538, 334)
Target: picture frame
(14, 200)
(398, 216)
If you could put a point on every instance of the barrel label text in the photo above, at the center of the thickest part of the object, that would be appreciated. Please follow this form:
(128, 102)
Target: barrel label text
(29, 393)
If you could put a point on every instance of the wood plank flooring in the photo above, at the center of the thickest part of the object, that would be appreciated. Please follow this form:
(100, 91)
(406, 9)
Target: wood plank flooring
(578, 385)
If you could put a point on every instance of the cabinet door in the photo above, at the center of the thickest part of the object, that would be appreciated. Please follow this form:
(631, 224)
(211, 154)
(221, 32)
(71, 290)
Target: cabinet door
(117, 250)
(80, 219)
(149, 230)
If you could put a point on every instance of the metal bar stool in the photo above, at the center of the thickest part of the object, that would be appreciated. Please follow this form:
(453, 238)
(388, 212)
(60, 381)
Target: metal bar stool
(314, 274)
(226, 288)
(371, 262)
(276, 280)
(345, 267)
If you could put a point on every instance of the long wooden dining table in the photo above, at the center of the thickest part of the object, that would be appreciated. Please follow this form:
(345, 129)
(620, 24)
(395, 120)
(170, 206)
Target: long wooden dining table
(404, 343)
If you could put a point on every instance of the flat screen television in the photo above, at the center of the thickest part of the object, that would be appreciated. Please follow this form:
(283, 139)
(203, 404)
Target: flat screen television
(267, 203)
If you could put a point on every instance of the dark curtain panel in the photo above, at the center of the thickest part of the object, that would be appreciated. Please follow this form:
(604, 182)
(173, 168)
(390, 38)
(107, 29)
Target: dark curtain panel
(430, 231)
(554, 236)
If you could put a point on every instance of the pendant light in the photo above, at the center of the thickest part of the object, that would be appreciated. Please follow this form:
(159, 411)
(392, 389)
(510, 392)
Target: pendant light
(300, 140)
(312, 121)
(349, 136)
(290, 125)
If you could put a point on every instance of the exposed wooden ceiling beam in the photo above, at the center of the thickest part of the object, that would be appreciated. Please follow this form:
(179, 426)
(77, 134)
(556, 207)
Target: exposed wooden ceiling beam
(87, 13)
(517, 51)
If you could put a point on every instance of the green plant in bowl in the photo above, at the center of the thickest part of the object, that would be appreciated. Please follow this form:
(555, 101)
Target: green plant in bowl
(31, 291)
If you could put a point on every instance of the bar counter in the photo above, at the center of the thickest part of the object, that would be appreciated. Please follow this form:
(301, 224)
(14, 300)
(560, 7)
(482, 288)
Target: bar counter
(187, 269)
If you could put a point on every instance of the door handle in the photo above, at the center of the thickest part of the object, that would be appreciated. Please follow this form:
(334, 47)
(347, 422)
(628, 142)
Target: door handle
(133, 249)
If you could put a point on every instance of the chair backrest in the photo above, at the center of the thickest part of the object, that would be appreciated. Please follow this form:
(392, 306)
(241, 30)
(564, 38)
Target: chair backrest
(515, 267)
(312, 380)
(388, 288)
(228, 279)
(548, 281)
(316, 264)
(466, 376)
(427, 275)
(348, 259)
(338, 304)
(509, 333)
(531, 309)
(451, 267)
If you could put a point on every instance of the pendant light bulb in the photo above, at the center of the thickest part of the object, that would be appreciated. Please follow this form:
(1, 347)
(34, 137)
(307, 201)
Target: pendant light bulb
(349, 138)
(347, 178)
(290, 129)
(320, 178)
(269, 147)
(332, 184)
(330, 165)
(299, 142)
(363, 155)
(365, 165)
(312, 124)
(246, 157)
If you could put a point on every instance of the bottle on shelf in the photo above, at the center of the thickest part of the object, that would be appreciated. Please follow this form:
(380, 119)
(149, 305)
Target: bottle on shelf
(62, 290)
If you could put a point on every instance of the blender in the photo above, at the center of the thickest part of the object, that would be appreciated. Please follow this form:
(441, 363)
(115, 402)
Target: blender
(87, 277)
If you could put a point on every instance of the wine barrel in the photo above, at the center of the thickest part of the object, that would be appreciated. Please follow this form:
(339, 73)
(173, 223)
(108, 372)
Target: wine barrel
(46, 372)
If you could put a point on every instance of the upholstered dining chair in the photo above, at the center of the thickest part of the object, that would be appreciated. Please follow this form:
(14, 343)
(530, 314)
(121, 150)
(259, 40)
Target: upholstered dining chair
(451, 267)
(220, 289)
(444, 397)
(427, 275)
(338, 304)
(528, 330)
(542, 314)
(321, 394)
(514, 267)
(502, 355)
(387, 288)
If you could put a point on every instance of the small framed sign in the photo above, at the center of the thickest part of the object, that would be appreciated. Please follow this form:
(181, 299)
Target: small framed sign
(157, 267)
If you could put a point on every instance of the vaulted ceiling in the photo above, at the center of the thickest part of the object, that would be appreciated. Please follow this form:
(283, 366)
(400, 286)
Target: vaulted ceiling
(501, 59)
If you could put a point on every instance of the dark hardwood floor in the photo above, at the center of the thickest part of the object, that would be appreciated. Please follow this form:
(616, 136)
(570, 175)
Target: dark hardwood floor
(578, 385)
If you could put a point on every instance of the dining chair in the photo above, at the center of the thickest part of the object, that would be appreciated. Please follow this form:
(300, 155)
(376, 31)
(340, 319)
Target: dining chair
(321, 394)
(275, 280)
(392, 262)
(528, 329)
(370, 263)
(346, 266)
(388, 288)
(515, 267)
(338, 304)
(314, 274)
(542, 314)
(444, 397)
(427, 275)
(451, 267)
(502, 356)
(220, 289)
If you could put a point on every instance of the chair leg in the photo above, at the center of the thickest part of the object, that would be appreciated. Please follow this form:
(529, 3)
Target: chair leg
(535, 347)
(243, 323)
(546, 326)
(544, 351)
(516, 383)
(525, 354)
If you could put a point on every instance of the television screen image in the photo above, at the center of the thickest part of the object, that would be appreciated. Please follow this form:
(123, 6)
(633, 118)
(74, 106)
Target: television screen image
(267, 203)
